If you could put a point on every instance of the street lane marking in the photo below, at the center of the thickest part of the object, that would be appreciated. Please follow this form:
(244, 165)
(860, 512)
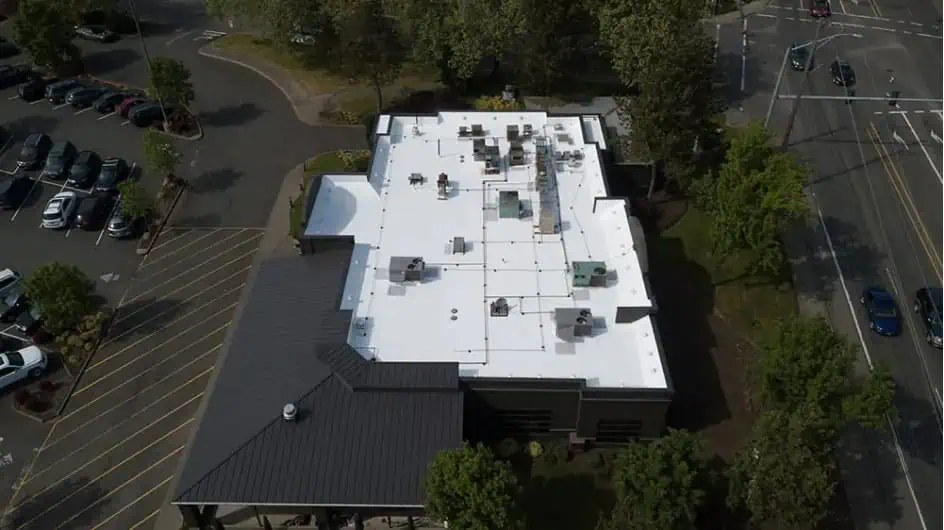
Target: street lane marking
(923, 149)
(176, 250)
(116, 406)
(94, 480)
(200, 251)
(110, 429)
(905, 197)
(178, 37)
(168, 376)
(154, 349)
(105, 453)
(142, 521)
(210, 35)
(132, 503)
(102, 117)
(178, 304)
(237, 273)
(228, 263)
(149, 335)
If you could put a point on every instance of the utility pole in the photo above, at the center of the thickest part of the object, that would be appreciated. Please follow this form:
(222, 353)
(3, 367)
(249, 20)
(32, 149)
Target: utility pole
(147, 58)
(806, 83)
(783, 68)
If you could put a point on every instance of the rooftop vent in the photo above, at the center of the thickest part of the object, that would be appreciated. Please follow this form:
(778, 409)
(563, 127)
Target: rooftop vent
(509, 207)
(464, 132)
(458, 245)
(527, 130)
(573, 322)
(442, 185)
(499, 308)
(406, 269)
(289, 412)
(589, 274)
(416, 179)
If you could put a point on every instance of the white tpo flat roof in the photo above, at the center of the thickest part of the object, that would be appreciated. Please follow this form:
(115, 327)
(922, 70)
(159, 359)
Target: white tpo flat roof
(446, 316)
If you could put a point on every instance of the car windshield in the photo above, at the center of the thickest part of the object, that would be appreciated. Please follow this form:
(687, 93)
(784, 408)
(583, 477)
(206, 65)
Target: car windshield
(29, 150)
(119, 222)
(15, 358)
(51, 215)
(109, 174)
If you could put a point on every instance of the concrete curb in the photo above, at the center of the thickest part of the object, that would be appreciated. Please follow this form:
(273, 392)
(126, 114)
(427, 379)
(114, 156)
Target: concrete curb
(78, 377)
(163, 223)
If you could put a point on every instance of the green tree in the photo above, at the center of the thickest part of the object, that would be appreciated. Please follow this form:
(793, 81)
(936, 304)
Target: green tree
(63, 293)
(660, 485)
(660, 51)
(370, 49)
(758, 189)
(784, 476)
(170, 81)
(45, 29)
(802, 362)
(136, 203)
(160, 155)
(472, 490)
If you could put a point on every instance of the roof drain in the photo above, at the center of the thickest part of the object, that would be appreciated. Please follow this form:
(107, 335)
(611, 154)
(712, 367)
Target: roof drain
(289, 412)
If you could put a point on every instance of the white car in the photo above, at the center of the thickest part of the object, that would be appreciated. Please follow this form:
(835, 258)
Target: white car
(59, 210)
(16, 365)
(9, 280)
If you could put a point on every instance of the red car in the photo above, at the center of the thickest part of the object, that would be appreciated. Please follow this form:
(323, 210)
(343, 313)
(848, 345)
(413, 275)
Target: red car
(125, 106)
(820, 8)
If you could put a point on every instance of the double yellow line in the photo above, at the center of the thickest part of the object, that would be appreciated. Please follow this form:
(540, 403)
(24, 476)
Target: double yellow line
(901, 189)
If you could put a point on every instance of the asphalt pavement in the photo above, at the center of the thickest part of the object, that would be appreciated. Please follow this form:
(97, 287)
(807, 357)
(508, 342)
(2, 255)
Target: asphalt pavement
(877, 185)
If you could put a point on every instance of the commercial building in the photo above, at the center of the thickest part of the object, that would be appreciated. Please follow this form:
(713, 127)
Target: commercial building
(478, 281)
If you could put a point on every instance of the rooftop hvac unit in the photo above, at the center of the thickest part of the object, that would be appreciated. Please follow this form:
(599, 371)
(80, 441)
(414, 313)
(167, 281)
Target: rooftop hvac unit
(589, 274)
(509, 207)
(464, 132)
(442, 185)
(512, 133)
(516, 154)
(477, 130)
(478, 149)
(573, 322)
(406, 269)
(527, 131)
(416, 179)
(458, 245)
(499, 308)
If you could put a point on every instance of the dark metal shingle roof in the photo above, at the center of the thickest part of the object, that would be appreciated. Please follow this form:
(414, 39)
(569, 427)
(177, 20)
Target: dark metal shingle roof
(365, 430)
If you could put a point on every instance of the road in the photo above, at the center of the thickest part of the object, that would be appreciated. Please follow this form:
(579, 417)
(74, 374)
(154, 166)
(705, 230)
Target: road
(877, 181)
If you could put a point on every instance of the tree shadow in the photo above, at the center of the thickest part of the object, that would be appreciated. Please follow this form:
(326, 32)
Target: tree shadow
(233, 115)
(574, 501)
(68, 498)
(869, 469)
(812, 260)
(105, 61)
(214, 180)
(917, 426)
(141, 317)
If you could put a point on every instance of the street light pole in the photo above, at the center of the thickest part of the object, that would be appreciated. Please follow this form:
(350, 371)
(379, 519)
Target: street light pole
(806, 82)
(147, 58)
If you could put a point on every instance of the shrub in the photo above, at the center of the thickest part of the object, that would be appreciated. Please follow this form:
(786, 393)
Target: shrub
(39, 404)
(23, 397)
(508, 448)
(496, 103)
(535, 449)
(354, 159)
(47, 386)
(557, 453)
(77, 344)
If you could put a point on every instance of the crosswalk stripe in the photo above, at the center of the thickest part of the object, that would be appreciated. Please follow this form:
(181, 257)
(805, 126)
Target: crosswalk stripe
(209, 34)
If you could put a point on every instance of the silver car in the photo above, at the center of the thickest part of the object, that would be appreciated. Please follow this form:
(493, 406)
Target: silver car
(59, 210)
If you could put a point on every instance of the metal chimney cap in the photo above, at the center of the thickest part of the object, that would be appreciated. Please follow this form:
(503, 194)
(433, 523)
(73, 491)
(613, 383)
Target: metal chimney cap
(289, 411)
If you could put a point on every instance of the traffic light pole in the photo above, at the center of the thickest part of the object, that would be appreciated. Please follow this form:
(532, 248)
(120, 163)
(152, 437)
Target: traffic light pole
(806, 83)
(147, 58)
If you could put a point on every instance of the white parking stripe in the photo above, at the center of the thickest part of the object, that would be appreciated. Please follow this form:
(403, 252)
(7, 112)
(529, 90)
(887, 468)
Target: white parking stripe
(112, 113)
(83, 111)
(923, 149)
(57, 107)
(113, 209)
(126, 122)
(38, 101)
(11, 98)
(30, 194)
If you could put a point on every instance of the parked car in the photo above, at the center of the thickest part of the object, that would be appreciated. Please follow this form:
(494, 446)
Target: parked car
(85, 170)
(13, 75)
(96, 33)
(820, 8)
(114, 170)
(94, 211)
(34, 151)
(109, 100)
(145, 115)
(13, 191)
(799, 57)
(34, 89)
(59, 160)
(84, 96)
(843, 74)
(56, 92)
(59, 210)
(21, 364)
(121, 225)
(30, 319)
(10, 280)
(129, 103)
(928, 305)
(881, 311)
(11, 305)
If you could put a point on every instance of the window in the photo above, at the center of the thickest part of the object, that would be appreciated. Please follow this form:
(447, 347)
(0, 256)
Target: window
(524, 422)
(618, 431)
(6, 371)
(8, 281)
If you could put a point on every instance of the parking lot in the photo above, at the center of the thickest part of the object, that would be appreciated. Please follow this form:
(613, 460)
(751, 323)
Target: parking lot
(110, 457)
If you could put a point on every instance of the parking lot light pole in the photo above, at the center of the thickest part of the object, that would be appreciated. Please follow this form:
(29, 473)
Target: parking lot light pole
(147, 58)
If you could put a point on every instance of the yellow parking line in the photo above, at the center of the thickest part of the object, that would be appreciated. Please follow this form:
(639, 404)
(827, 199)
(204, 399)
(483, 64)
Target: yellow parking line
(116, 406)
(19, 485)
(171, 308)
(142, 521)
(197, 252)
(185, 232)
(98, 437)
(94, 480)
(176, 250)
(106, 452)
(156, 300)
(149, 335)
(145, 354)
(83, 407)
(230, 262)
(130, 504)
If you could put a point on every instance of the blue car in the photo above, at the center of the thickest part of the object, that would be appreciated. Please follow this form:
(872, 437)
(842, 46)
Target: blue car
(881, 312)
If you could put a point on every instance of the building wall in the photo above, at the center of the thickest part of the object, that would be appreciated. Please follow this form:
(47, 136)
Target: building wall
(524, 409)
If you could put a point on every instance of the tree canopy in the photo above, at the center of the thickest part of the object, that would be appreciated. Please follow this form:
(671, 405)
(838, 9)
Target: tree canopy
(170, 81)
(660, 484)
(370, 48)
(160, 155)
(472, 490)
(136, 203)
(63, 293)
(45, 29)
(757, 189)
